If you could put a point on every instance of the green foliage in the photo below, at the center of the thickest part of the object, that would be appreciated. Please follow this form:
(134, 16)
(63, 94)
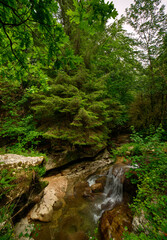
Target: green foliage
(149, 21)
(151, 195)
(17, 124)
(6, 180)
(6, 184)
(21, 26)
(75, 110)
(146, 111)
(6, 229)
(95, 234)
(40, 170)
(89, 14)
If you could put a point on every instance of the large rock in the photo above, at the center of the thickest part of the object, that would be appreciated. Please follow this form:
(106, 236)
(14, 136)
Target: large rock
(85, 169)
(64, 157)
(52, 193)
(113, 222)
(18, 161)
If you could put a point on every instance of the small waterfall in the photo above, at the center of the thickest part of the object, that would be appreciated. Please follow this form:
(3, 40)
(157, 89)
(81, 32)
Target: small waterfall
(113, 192)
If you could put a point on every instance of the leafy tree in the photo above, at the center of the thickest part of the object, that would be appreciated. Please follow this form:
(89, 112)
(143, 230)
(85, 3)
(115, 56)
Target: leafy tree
(81, 108)
(22, 22)
(31, 40)
(149, 21)
(89, 102)
(83, 20)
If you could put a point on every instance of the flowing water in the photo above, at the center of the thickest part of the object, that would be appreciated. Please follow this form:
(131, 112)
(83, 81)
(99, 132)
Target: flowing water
(113, 193)
(79, 216)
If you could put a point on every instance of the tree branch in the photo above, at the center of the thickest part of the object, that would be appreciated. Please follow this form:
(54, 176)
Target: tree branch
(15, 13)
(11, 46)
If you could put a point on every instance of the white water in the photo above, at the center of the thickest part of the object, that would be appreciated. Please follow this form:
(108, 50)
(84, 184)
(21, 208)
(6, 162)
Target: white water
(113, 192)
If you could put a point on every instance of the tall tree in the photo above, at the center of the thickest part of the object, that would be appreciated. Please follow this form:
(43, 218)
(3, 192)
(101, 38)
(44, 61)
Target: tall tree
(148, 19)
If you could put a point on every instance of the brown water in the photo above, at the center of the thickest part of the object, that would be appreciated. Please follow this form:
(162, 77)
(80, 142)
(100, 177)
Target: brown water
(77, 217)
(74, 218)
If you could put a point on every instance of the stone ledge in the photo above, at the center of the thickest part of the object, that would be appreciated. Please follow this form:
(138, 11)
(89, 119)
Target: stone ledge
(19, 161)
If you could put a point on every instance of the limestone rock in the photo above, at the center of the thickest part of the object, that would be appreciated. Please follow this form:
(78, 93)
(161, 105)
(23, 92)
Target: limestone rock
(52, 193)
(18, 161)
(103, 156)
(71, 155)
(68, 155)
(25, 184)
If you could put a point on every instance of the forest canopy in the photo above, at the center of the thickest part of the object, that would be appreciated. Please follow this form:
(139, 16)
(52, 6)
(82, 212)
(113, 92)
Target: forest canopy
(64, 69)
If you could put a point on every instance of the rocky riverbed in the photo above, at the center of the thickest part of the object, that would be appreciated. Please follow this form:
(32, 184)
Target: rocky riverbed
(75, 199)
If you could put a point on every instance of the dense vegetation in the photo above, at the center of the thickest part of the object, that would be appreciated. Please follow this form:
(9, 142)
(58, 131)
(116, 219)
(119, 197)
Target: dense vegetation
(148, 156)
(70, 80)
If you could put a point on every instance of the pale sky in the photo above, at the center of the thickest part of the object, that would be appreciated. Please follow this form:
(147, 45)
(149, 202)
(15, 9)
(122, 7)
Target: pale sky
(120, 6)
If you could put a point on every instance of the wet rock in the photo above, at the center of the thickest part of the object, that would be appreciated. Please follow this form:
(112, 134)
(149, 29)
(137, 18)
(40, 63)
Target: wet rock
(62, 158)
(113, 222)
(97, 187)
(55, 190)
(103, 156)
(57, 205)
(101, 180)
(87, 193)
(89, 168)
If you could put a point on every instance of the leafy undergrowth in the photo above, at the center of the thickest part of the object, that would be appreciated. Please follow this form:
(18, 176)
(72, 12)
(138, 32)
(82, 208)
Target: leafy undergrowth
(150, 155)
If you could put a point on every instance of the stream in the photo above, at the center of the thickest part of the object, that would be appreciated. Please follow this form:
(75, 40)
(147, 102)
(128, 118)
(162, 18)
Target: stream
(78, 215)
(112, 194)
